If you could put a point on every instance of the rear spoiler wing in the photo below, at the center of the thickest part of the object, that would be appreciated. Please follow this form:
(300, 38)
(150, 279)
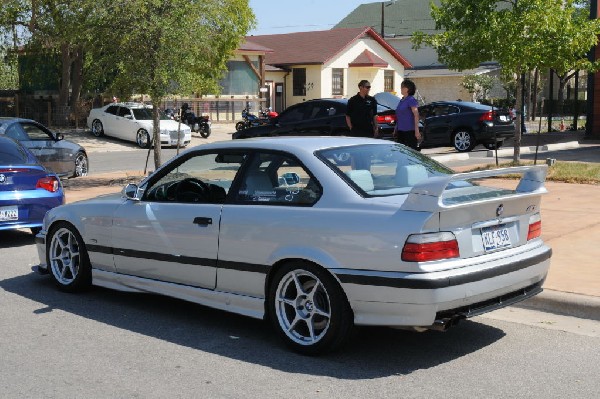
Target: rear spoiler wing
(427, 196)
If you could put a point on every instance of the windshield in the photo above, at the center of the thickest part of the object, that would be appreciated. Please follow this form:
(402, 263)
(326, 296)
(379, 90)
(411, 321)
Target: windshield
(381, 169)
(145, 114)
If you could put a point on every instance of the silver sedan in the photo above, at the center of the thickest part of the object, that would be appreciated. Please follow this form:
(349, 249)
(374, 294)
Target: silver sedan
(276, 228)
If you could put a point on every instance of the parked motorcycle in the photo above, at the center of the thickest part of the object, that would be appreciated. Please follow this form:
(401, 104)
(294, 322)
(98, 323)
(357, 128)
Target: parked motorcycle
(250, 120)
(200, 124)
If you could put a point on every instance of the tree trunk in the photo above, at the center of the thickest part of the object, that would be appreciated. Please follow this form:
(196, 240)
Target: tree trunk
(528, 97)
(536, 78)
(76, 77)
(65, 82)
(156, 133)
(517, 152)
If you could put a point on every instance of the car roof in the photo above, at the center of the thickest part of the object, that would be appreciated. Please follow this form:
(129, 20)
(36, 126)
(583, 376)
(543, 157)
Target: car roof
(293, 144)
(131, 105)
(15, 119)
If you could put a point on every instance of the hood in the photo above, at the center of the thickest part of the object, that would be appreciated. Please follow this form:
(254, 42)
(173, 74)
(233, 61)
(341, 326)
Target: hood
(387, 99)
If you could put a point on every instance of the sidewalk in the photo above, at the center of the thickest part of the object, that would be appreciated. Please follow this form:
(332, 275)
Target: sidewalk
(570, 220)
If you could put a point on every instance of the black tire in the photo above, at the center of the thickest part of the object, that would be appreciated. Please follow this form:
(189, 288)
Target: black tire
(240, 126)
(142, 138)
(316, 320)
(463, 140)
(97, 128)
(67, 258)
(205, 131)
(81, 164)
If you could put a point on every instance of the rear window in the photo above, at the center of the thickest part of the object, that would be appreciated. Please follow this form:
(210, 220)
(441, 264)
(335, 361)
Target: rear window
(11, 153)
(381, 169)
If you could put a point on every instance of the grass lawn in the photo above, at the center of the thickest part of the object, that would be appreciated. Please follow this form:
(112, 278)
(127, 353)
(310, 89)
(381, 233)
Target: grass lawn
(561, 171)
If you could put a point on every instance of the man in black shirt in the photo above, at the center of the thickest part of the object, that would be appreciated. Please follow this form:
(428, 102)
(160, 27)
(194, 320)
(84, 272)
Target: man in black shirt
(361, 112)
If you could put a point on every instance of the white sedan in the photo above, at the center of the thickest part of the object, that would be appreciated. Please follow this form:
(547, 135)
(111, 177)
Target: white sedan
(133, 122)
(275, 228)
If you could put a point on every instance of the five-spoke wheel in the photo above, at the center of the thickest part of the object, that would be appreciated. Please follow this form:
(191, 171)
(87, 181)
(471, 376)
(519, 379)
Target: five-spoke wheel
(81, 165)
(463, 141)
(67, 258)
(308, 308)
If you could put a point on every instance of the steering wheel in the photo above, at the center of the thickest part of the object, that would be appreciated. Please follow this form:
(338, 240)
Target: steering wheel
(192, 190)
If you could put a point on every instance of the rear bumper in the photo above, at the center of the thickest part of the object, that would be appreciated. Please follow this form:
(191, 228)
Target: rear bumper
(418, 299)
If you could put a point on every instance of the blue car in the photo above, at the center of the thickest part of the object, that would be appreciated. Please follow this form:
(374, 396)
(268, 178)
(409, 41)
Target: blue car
(27, 189)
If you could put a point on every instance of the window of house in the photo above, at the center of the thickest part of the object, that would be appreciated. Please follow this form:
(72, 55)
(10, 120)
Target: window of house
(337, 82)
(299, 81)
(388, 80)
(240, 79)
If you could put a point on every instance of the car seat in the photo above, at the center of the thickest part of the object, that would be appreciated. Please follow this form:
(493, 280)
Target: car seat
(362, 178)
(409, 175)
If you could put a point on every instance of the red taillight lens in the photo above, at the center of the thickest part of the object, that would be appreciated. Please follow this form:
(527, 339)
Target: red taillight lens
(487, 117)
(49, 183)
(431, 246)
(391, 118)
(535, 230)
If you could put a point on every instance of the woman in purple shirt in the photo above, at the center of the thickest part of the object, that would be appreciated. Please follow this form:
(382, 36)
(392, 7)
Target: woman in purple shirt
(407, 117)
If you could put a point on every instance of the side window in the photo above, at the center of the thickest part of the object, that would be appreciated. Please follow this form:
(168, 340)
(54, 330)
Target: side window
(293, 114)
(112, 109)
(452, 110)
(123, 111)
(203, 178)
(277, 179)
(36, 133)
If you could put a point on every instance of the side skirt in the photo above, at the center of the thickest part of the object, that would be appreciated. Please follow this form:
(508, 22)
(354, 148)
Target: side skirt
(240, 304)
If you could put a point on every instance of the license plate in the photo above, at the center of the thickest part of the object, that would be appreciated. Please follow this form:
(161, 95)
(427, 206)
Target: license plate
(503, 118)
(495, 237)
(9, 213)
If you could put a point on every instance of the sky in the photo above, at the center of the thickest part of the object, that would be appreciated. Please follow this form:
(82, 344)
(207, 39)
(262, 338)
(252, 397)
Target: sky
(285, 16)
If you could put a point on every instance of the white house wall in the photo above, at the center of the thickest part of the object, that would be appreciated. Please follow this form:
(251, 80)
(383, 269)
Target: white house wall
(354, 75)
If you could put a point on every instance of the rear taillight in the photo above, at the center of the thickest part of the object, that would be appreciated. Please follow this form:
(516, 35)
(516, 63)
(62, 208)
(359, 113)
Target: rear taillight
(487, 117)
(535, 227)
(49, 183)
(430, 246)
(390, 118)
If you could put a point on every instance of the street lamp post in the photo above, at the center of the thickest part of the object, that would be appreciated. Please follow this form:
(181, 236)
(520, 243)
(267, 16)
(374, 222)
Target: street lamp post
(383, 6)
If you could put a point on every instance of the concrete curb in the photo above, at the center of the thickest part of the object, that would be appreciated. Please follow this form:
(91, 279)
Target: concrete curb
(463, 156)
(564, 303)
(529, 150)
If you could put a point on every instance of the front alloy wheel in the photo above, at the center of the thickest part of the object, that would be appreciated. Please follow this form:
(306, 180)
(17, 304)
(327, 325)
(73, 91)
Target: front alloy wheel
(67, 259)
(142, 138)
(463, 141)
(309, 309)
(81, 165)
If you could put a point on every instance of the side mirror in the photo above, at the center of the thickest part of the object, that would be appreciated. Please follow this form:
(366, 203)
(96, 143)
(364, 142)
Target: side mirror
(59, 137)
(131, 192)
(128, 117)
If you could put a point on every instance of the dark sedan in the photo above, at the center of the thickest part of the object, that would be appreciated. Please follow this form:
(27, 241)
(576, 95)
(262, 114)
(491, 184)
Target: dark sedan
(322, 117)
(463, 125)
(63, 157)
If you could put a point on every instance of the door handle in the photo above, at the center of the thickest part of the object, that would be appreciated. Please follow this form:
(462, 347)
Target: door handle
(202, 221)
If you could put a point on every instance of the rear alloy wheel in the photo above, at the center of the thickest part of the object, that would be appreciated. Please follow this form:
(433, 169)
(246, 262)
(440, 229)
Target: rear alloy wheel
(97, 128)
(67, 259)
(81, 165)
(463, 141)
(308, 309)
(142, 138)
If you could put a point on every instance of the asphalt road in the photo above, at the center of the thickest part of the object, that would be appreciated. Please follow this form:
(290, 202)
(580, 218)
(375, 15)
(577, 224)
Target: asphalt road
(107, 344)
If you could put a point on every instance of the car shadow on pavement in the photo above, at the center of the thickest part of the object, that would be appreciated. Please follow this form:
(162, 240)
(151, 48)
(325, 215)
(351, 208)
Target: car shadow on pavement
(371, 353)
(16, 238)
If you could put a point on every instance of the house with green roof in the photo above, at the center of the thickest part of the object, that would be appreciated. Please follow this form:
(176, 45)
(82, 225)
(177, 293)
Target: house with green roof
(396, 21)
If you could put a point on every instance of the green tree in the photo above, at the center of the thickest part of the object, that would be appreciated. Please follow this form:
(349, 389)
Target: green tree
(165, 47)
(478, 86)
(520, 34)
